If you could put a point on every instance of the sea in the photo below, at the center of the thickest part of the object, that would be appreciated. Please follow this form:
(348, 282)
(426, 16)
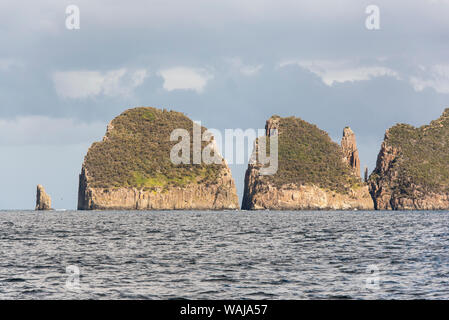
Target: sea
(224, 255)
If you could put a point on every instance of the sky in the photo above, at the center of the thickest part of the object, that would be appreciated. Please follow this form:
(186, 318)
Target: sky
(229, 64)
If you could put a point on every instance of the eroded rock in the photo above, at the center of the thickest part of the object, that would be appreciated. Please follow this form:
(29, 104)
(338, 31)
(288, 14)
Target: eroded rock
(43, 200)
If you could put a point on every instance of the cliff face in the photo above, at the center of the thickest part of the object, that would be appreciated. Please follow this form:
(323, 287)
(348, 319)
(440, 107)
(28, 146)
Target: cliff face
(412, 170)
(219, 196)
(261, 195)
(313, 172)
(43, 200)
(131, 168)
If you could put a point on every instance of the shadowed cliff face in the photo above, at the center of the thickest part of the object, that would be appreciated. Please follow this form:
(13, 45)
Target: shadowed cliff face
(131, 168)
(412, 170)
(314, 172)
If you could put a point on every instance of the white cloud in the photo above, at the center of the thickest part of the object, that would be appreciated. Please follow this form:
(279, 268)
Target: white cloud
(184, 78)
(435, 77)
(84, 84)
(42, 130)
(138, 77)
(340, 71)
(245, 69)
(250, 70)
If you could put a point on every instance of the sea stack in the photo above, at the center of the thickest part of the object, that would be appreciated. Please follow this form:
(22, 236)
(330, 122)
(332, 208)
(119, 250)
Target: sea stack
(412, 170)
(350, 152)
(314, 173)
(131, 169)
(43, 200)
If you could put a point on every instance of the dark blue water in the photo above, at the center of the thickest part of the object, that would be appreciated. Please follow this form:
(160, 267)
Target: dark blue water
(224, 255)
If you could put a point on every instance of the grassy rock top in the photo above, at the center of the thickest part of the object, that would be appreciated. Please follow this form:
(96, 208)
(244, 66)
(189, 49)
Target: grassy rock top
(423, 153)
(135, 152)
(307, 155)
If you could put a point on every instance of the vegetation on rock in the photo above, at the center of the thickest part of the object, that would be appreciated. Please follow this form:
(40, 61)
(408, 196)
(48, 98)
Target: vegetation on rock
(307, 155)
(136, 153)
(422, 159)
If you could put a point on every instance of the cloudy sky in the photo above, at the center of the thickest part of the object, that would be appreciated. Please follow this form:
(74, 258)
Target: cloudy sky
(230, 64)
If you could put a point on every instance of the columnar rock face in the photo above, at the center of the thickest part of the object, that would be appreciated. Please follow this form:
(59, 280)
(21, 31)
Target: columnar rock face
(43, 200)
(131, 168)
(313, 173)
(220, 195)
(412, 170)
(349, 147)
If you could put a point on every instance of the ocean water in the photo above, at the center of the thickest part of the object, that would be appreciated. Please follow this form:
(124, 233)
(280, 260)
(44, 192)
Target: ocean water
(224, 255)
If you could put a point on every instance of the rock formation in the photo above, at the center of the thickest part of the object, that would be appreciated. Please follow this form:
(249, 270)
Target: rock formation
(365, 178)
(412, 170)
(131, 168)
(349, 147)
(313, 172)
(43, 200)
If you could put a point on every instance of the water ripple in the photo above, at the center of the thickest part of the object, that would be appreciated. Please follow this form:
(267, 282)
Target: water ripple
(225, 255)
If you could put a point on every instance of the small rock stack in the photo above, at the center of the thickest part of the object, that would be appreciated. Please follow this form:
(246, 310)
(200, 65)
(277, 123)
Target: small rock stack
(43, 200)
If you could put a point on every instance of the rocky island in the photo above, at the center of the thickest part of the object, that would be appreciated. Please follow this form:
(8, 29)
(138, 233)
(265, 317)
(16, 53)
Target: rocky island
(131, 168)
(314, 173)
(412, 170)
(43, 200)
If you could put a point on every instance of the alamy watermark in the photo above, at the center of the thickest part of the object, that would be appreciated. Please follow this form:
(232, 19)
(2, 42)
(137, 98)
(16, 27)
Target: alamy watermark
(72, 21)
(372, 22)
(212, 152)
(370, 280)
(73, 278)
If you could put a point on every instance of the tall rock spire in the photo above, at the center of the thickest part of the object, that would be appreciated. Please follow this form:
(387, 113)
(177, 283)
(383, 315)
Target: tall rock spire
(351, 154)
(43, 200)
